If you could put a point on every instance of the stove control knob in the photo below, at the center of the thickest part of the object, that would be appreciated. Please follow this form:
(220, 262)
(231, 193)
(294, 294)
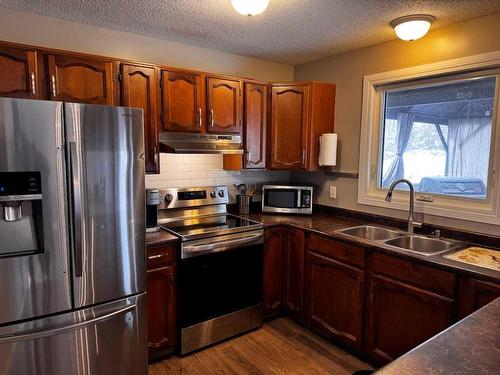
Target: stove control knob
(169, 197)
(212, 194)
(221, 193)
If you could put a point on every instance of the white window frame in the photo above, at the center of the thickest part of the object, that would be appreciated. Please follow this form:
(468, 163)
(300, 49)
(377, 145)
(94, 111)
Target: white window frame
(484, 211)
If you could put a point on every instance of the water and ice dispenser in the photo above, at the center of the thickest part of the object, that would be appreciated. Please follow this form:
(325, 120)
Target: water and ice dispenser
(21, 212)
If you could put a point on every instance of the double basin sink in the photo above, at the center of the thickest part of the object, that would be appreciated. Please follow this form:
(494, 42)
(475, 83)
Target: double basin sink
(394, 239)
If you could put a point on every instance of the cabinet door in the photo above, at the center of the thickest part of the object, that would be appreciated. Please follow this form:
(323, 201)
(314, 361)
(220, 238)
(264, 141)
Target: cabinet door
(139, 88)
(18, 77)
(255, 120)
(272, 294)
(79, 79)
(402, 316)
(224, 105)
(293, 283)
(182, 102)
(474, 294)
(335, 299)
(161, 309)
(289, 127)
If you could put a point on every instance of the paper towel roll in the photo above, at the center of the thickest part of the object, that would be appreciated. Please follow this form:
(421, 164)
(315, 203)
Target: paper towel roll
(328, 149)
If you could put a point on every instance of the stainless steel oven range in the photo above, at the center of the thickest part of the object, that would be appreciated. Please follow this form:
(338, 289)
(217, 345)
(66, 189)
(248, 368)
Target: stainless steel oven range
(220, 269)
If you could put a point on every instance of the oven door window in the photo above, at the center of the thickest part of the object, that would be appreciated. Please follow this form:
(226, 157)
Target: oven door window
(216, 284)
(281, 198)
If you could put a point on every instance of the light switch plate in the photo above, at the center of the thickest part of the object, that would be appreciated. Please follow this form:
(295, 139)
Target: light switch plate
(333, 192)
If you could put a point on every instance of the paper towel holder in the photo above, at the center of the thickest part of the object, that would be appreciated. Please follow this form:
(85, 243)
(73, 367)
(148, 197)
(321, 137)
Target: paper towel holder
(328, 150)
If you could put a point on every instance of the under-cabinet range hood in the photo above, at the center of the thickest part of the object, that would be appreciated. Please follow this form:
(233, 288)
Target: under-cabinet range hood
(191, 143)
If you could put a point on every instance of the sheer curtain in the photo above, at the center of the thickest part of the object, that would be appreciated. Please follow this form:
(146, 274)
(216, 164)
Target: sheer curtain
(397, 169)
(469, 147)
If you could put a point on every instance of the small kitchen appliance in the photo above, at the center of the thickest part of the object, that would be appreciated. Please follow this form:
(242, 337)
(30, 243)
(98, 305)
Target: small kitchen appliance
(287, 199)
(152, 202)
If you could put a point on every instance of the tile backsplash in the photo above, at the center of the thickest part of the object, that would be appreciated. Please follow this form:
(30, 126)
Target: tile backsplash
(188, 170)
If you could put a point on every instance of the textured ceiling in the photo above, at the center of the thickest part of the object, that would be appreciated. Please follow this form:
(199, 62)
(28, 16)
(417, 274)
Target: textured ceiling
(289, 31)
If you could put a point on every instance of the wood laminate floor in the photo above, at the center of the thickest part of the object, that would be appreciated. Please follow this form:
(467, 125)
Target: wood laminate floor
(279, 347)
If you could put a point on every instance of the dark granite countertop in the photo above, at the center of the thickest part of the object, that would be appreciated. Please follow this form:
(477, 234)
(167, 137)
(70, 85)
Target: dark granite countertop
(471, 346)
(162, 237)
(328, 223)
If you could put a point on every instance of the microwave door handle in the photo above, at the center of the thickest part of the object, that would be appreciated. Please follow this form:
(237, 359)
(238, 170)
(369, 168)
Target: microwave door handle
(77, 209)
(299, 193)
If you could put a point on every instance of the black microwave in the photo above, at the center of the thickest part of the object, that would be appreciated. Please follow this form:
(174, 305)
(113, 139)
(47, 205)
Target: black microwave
(287, 199)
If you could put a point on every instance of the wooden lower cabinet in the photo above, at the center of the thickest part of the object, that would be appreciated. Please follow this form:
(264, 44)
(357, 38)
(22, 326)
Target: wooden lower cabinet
(161, 297)
(273, 265)
(402, 316)
(474, 294)
(335, 299)
(293, 273)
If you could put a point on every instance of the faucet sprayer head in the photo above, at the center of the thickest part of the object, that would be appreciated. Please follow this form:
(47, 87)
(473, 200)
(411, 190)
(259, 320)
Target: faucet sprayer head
(388, 197)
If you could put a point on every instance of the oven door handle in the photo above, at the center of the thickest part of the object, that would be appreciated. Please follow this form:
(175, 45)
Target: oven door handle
(226, 244)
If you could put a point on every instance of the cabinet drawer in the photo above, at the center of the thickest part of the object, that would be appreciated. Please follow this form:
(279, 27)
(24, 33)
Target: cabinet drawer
(159, 256)
(337, 250)
(433, 279)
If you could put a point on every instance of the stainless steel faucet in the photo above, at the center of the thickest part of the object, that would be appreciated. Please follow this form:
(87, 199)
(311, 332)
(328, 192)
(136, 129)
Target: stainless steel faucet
(411, 218)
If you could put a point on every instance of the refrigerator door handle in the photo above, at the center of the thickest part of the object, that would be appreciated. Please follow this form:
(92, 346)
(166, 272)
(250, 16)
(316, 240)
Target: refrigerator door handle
(77, 209)
(58, 330)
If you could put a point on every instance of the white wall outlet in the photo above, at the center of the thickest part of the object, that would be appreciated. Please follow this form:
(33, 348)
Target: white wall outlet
(333, 192)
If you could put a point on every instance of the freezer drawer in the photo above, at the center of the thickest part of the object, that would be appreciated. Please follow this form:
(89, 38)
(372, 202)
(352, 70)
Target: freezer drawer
(106, 339)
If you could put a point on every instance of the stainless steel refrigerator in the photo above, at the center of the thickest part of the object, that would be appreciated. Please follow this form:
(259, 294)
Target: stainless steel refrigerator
(72, 239)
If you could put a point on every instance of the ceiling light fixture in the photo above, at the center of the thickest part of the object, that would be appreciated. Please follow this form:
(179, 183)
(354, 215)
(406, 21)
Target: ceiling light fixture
(250, 7)
(412, 27)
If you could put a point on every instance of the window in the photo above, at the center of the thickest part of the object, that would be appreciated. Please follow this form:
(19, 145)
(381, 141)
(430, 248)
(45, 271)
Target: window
(434, 125)
(439, 137)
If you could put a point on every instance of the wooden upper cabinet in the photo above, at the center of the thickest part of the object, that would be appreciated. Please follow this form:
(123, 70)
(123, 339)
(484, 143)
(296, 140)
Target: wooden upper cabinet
(139, 88)
(289, 127)
(183, 107)
(80, 79)
(255, 120)
(301, 112)
(224, 105)
(18, 73)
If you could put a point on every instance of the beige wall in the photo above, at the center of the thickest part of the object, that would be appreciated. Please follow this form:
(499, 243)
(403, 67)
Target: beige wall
(54, 33)
(347, 70)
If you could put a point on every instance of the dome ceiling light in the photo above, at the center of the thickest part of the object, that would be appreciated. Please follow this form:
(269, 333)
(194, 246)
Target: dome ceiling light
(250, 7)
(412, 27)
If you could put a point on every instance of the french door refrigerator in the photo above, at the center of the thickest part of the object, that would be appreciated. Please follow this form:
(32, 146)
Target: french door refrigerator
(72, 239)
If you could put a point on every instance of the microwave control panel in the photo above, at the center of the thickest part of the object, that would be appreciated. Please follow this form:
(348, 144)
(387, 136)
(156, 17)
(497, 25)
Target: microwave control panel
(305, 198)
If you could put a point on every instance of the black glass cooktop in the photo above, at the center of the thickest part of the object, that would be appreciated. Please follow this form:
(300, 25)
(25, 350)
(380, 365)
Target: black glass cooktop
(209, 226)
